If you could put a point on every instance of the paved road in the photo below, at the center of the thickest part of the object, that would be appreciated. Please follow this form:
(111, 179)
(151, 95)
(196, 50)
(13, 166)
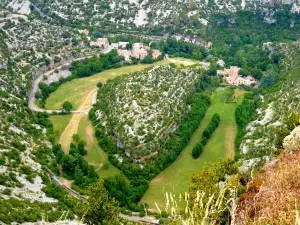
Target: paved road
(145, 219)
(35, 87)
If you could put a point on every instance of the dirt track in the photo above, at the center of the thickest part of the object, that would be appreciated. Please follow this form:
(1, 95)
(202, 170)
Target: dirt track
(72, 128)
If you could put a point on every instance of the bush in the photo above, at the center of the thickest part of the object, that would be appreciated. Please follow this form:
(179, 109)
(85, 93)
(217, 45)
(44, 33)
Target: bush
(204, 141)
(197, 150)
(99, 85)
(211, 127)
(67, 106)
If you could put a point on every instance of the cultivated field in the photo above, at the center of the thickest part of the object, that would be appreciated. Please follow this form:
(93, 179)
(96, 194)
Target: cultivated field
(59, 124)
(76, 90)
(176, 178)
(95, 155)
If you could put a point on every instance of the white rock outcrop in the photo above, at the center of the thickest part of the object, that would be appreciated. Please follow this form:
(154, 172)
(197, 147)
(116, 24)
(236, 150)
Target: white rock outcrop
(292, 141)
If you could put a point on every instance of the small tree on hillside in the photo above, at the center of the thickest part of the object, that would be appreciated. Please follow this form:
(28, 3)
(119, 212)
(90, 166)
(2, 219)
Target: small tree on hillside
(67, 106)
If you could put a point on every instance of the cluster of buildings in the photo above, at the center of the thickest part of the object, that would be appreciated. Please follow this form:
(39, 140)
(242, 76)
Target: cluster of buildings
(232, 77)
(187, 39)
(138, 50)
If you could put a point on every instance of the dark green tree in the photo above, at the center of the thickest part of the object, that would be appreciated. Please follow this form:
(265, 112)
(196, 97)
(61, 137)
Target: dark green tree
(99, 85)
(67, 106)
(197, 150)
(100, 208)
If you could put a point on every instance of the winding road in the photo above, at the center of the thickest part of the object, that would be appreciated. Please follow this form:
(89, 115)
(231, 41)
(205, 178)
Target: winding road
(35, 88)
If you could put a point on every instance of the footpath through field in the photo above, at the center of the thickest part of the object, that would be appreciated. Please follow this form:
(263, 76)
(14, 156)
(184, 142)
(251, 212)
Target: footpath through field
(72, 127)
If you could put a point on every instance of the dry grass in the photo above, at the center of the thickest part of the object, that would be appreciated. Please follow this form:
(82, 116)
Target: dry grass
(272, 196)
(204, 209)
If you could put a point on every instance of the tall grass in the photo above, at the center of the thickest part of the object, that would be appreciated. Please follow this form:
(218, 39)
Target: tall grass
(203, 209)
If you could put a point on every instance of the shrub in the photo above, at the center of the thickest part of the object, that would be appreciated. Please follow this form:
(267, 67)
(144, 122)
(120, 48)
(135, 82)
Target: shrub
(197, 150)
(67, 106)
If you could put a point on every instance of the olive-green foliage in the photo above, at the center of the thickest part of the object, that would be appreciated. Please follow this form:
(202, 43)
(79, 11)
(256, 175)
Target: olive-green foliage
(100, 208)
(20, 211)
(67, 106)
(208, 181)
(212, 126)
(244, 113)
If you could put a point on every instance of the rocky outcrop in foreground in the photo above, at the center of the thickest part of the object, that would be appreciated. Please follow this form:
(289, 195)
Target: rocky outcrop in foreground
(292, 141)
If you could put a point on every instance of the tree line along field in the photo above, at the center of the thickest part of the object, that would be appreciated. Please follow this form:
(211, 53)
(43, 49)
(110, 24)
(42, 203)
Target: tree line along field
(177, 177)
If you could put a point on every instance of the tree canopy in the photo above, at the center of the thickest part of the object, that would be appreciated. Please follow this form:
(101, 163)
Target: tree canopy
(100, 208)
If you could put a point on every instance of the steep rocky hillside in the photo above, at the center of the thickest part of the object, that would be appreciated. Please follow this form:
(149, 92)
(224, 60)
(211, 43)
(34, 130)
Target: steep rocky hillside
(26, 190)
(141, 110)
(278, 109)
(23, 145)
(272, 196)
(34, 42)
(126, 16)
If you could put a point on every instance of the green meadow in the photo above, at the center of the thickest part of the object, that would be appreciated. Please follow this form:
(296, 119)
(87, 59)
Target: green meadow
(177, 177)
(59, 124)
(95, 155)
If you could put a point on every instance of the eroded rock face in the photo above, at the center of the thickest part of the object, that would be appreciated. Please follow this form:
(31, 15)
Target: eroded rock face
(292, 141)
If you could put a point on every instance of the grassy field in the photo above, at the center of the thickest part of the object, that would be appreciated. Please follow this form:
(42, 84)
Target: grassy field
(176, 178)
(95, 156)
(59, 124)
(76, 90)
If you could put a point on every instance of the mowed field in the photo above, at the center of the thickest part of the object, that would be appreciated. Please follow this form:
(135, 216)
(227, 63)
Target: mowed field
(76, 90)
(177, 177)
(95, 155)
(59, 124)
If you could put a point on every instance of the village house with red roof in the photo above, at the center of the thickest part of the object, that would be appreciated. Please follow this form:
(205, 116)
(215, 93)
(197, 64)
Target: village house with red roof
(231, 76)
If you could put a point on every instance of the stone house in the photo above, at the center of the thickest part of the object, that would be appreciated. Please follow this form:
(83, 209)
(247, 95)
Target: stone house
(125, 53)
(101, 43)
(115, 45)
(232, 76)
(137, 46)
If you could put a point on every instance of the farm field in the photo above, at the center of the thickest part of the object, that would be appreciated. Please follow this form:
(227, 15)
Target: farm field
(95, 155)
(220, 146)
(59, 124)
(76, 90)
